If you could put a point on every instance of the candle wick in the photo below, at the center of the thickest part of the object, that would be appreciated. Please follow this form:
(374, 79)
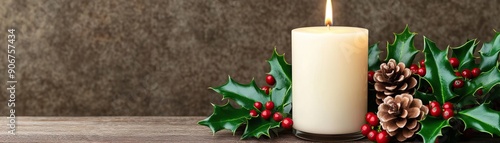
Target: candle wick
(328, 26)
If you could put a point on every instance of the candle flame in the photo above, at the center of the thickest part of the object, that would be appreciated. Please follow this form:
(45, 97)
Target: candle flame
(328, 13)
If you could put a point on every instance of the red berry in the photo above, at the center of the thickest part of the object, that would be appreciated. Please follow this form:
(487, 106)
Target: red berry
(479, 92)
(435, 111)
(466, 73)
(422, 63)
(373, 120)
(287, 123)
(270, 80)
(454, 62)
(370, 76)
(365, 129)
(253, 113)
(458, 74)
(369, 115)
(266, 114)
(372, 135)
(383, 137)
(475, 72)
(458, 83)
(265, 88)
(277, 117)
(434, 104)
(421, 71)
(257, 105)
(448, 113)
(414, 68)
(269, 105)
(448, 105)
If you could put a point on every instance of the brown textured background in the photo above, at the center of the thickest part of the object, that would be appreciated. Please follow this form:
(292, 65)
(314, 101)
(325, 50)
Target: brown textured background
(118, 57)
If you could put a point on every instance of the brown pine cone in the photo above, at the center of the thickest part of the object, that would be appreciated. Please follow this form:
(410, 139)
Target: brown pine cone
(399, 116)
(393, 79)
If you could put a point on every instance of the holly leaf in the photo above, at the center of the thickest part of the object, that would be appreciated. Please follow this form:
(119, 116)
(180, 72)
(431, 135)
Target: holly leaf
(373, 57)
(280, 70)
(481, 118)
(486, 80)
(402, 49)
(465, 54)
(439, 73)
(286, 105)
(431, 128)
(282, 73)
(489, 53)
(243, 94)
(425, 97)
(225, 117)
(258, 126)
(493, 94)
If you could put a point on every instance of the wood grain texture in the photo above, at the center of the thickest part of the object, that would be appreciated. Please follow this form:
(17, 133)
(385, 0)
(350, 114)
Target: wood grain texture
(130, 129)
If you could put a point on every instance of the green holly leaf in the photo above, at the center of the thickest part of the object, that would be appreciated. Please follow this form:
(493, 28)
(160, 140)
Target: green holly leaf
(258, 126)
(439, 73)
(481, 118)
(282, 73)
(286, 106)
(493, 94)
(402, 49)
(465, 54)
(225, 117)
(486, 80)
(280, 70)
(373, 57)
(425, 97)
(489, 53)
(431, 128)
(243, 94)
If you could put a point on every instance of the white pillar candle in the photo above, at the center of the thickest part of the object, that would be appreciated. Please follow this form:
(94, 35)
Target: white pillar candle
(329, 75)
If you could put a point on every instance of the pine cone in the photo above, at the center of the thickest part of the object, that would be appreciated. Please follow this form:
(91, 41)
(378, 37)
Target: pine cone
(399, 116)
(393, 79)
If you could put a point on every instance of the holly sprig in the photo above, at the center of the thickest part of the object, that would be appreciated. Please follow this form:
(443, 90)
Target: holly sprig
(472, 97)
(472, 110)
(245, 95)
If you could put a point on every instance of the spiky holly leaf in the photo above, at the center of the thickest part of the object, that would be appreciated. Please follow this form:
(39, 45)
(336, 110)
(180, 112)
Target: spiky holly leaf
(280, 70)
(431, 128)
(493, 94)
(481, 118)
(282, 73)
(243, 94)
(425, 97)
(489, 53)
(465, 54)
(402, 49)
(286, 106)
(373, 57)
(225, 117)
(486, 80)
(258, 126)
(439, 74)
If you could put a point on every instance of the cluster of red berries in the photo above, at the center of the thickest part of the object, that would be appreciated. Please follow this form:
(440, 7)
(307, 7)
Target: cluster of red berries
(446, 111)
(267, 112)
(269, 80)
(466, 73)
(269, 106)
(418, 70)
(370, 130)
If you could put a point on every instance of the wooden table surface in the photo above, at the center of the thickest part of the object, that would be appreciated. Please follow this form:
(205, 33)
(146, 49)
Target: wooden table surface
(126, 129)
